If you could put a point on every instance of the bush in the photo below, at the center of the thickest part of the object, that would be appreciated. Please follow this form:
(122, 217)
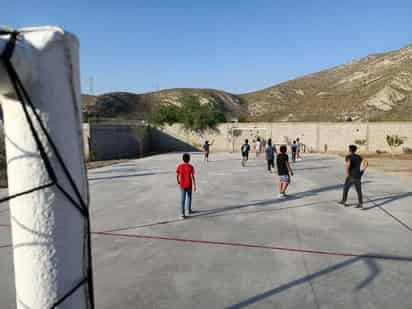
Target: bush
(360, 142)
(381, 151)
(164, 114)
(192, 114)
(407, 150)
(394, 141)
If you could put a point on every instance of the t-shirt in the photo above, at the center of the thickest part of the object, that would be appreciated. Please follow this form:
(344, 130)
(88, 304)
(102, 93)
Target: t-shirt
(281, 160)
(355, 165)
(294, 147)
(257, 146)
(206, 147)
(185, 171)
(270, 155)
(245, 148)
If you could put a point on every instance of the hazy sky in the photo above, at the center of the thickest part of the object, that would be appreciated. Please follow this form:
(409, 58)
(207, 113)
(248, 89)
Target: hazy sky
(238, 46)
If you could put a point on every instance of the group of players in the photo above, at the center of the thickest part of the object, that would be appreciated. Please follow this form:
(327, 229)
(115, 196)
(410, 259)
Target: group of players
(284, 169)
(355, 167)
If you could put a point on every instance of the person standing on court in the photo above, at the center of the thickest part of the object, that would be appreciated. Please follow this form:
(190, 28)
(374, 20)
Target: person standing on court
(355, 167)
(284, 170)
(294, 148)
(185, 175)
(206, 150)
(270, 155)
(299, 149)
(258, 147)
(245, 149)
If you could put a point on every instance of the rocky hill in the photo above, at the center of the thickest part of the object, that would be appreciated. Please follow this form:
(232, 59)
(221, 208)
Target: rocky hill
(377, 87)
(137, 106)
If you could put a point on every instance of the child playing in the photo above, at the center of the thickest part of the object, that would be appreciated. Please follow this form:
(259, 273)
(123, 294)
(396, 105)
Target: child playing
(284, 170)
(185, 175)
(245, 152)
(206, 150)
(294, 148)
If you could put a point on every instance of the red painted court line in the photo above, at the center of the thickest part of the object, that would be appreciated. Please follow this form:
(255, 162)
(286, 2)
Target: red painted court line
(246, 245)
(233, 244)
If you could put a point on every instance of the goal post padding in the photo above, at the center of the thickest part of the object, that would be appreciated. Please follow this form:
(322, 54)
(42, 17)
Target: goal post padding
(49, 235)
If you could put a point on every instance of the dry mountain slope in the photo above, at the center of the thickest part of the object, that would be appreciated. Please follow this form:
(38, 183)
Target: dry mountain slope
(377, 87)
(137, 106)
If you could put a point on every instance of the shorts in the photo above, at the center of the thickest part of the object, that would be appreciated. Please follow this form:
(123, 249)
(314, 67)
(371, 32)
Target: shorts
(284, 178)
(245, 155)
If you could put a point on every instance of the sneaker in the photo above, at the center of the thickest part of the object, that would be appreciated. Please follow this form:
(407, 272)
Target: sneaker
(281, 195)
(182, 217)
(359, 206)
(191, 211)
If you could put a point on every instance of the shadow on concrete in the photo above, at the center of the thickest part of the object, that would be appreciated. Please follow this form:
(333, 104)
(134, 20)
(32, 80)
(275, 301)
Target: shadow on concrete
(310, 168)
(309, 159)
(126, 176)
(161, 142)
(272, 201)
(122, 170)
(368, 259)
(200, 213)
(386, 199)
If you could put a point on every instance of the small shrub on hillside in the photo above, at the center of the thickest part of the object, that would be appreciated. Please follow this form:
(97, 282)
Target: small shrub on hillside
(360, 142)
(407, 150)
(394, 141)
(164, 115)
(381, 151)
(192, 114)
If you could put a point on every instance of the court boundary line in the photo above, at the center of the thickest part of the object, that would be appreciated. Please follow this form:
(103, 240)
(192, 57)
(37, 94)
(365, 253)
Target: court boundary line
(255, 246)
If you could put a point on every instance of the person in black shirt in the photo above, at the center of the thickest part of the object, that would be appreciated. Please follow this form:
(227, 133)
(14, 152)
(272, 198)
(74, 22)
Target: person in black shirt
(270, 155)
(284, 170)
(355, 167)
(294, 148)
(206, 150)
(245, 149)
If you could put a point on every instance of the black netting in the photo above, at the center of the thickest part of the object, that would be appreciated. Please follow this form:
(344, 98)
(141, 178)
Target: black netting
(77, 201)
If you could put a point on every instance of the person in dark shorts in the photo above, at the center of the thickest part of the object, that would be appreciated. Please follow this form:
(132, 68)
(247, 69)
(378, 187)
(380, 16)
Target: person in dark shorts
(294, 148)
(355, 166)
(206, 150)
(284, 170)
(270, 155)
(245, 149)
(185, 174)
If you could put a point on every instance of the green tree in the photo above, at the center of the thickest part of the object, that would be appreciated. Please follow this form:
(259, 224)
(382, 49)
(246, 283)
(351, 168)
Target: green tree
(192, 114)
(199, 117)
(394, 141)
(165, 114)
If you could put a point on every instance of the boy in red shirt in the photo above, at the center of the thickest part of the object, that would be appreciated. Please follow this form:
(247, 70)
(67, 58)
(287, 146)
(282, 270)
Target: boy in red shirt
(185, 175)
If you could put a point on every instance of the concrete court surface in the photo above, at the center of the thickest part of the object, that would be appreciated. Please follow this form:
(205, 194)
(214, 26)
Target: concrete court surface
(244, 247)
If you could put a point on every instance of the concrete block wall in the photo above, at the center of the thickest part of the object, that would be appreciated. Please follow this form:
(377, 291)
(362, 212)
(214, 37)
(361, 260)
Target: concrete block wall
(115, 141)
(316, 136)
(118, 141)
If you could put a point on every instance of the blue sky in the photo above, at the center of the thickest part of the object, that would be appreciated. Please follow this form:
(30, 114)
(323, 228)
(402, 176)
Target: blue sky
(238, 46)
